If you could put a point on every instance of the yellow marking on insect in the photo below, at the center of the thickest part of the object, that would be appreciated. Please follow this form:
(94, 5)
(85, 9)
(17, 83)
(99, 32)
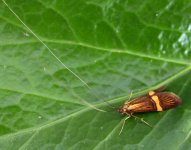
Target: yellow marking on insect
(156, 100)
(131, 107)
(127, 102)
(151, 93)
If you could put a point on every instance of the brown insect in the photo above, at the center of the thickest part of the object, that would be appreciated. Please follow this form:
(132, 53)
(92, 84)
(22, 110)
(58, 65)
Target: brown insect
(153, 101)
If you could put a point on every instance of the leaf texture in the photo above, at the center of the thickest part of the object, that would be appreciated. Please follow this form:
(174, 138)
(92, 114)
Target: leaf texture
(116, 47)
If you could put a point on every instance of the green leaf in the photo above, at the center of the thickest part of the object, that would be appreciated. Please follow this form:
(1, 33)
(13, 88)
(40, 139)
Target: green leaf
(116, 47)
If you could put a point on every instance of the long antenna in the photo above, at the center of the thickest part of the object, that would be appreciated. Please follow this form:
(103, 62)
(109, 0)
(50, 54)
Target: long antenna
(46, 46)
(53, 54)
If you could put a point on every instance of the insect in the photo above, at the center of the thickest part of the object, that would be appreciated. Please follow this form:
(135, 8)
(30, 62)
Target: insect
(153, 101)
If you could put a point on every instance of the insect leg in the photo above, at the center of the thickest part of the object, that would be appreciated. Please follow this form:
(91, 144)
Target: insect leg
(142, 120)
(124, 123)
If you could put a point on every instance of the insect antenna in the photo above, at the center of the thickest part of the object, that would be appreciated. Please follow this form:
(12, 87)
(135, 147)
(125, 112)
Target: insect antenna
(87, 103)
(109, 104)
(54, 55)
(115, 108)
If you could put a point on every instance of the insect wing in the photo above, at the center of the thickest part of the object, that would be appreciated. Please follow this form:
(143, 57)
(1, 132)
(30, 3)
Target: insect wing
(142, 104)
(158, 102)
(168, 100)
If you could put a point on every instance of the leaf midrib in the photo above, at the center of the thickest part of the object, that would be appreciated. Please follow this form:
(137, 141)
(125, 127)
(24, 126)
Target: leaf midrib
(125, 51)
(82, 110)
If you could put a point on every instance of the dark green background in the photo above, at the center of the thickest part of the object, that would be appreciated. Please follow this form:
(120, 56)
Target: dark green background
(115, 46)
